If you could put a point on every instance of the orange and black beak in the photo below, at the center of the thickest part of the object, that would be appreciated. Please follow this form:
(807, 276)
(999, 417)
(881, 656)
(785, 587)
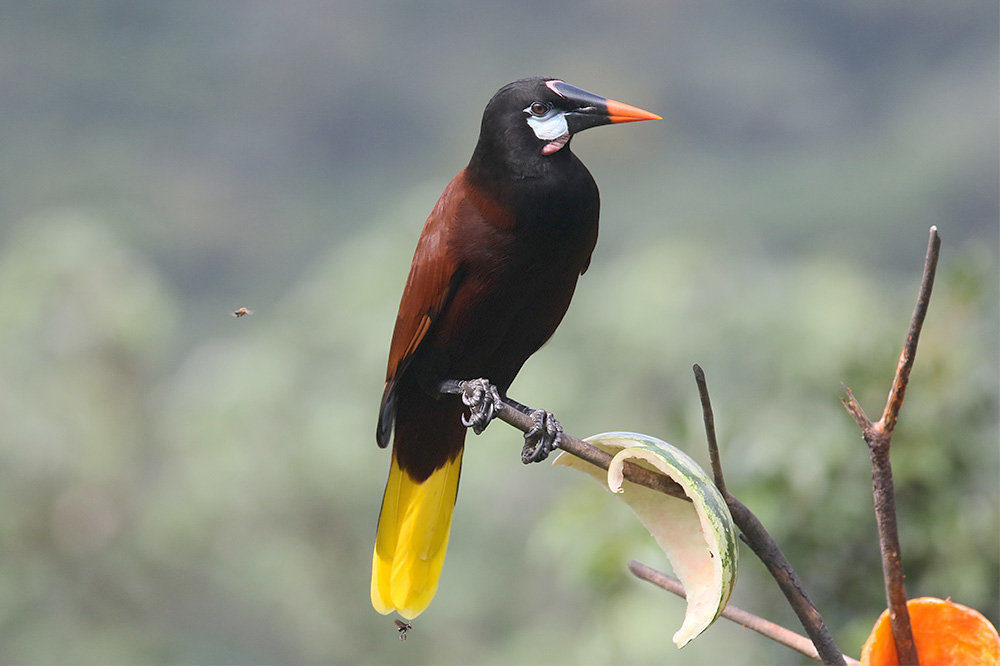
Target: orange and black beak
(590, 110)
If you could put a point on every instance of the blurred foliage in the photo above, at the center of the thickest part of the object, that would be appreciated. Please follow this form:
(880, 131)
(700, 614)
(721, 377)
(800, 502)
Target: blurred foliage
(184, 487)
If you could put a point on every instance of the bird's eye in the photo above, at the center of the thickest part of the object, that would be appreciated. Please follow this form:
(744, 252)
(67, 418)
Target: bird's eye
(538, 108)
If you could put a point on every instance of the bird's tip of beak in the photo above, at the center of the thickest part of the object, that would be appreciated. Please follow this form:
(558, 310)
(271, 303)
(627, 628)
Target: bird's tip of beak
(625, 113)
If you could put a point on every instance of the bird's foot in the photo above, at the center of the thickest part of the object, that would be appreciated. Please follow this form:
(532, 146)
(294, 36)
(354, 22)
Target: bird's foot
(483, 400)
(543, 437)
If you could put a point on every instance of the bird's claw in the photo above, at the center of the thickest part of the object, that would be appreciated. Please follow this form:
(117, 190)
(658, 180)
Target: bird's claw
(483, 401)
(543, 437)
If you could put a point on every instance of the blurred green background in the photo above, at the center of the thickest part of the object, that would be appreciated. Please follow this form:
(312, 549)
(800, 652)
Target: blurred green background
(179, 486)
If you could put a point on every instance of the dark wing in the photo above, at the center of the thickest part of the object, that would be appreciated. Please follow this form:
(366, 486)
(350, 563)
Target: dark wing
(433, 280)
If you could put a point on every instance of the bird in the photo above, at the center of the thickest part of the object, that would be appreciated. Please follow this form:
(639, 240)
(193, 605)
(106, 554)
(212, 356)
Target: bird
(492, 275)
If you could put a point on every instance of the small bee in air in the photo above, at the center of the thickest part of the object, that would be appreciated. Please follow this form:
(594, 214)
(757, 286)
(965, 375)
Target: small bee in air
(402, 628)
(241, 312)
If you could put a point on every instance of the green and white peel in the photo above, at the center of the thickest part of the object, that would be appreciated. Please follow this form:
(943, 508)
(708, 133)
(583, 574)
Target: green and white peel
(698, 537)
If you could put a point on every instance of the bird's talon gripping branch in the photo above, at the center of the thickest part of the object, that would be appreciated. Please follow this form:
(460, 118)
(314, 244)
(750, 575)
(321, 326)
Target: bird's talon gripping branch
(543, 437)
(483, 400)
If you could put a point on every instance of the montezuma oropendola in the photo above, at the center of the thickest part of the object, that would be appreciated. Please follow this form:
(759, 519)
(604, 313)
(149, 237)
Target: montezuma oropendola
(492, 276)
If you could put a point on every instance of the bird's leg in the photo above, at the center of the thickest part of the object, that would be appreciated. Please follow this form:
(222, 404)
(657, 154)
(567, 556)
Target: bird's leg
(480, 396)
(544, 435)
(484, 401)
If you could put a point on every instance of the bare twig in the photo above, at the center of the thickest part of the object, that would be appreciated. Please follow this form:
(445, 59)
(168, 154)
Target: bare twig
(709, 418)
(891, 412)
(595, 456)
(581, 449)
(878, 436)
(767, 549)
(764, 546)
(766, 628)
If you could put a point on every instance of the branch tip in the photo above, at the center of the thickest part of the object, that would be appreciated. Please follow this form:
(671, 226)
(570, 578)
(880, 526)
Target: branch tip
(854, 408)
(709, 418)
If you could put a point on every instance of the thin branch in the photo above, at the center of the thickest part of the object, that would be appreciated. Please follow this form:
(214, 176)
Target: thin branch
(766, 548)
(581, 449)
(765, 628)
(878, 436)
(854, 408)
(883, 490)
(891, 412)
(709, 417)
(595, 456)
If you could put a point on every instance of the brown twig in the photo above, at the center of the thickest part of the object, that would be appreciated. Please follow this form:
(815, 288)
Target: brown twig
(581, 449)
(709, 417)
(906, 358)
(595, 456)
(878, 436)
(767, 549)
(766, 628)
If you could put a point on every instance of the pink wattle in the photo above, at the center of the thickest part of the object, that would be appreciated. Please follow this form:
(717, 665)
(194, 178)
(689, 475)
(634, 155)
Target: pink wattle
(555, 146)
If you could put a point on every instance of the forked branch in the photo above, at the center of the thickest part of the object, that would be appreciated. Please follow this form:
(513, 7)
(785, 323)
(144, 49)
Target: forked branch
(878, 436)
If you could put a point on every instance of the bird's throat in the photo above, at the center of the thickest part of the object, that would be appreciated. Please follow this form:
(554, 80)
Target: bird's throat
(557, 145)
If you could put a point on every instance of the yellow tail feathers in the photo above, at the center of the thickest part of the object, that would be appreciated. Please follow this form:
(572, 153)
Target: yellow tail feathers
(412, 538)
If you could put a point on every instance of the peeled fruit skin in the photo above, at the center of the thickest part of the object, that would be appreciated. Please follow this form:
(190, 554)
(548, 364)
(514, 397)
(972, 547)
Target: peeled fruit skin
(698, 537)
(946, 633)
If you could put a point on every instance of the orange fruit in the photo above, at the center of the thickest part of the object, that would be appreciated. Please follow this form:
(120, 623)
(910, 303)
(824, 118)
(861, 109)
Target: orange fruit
(945, 633)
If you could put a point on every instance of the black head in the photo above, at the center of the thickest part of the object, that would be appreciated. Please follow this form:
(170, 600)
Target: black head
(530, 122)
